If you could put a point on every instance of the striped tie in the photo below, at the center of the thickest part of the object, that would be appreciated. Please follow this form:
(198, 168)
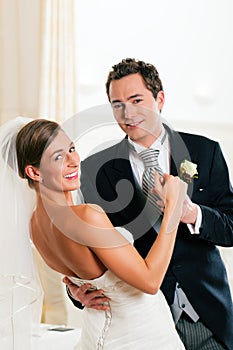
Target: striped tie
(150, 160)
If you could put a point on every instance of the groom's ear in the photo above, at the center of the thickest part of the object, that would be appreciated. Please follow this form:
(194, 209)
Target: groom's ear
(32, 172)
(160, 99)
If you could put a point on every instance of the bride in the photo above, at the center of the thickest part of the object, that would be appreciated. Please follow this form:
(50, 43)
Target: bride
(79, 241)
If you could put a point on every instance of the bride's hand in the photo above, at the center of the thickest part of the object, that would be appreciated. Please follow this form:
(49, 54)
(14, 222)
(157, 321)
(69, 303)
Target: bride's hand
(171, 190)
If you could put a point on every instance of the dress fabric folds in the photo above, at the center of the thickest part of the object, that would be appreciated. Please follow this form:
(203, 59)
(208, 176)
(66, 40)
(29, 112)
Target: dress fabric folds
(136, 320)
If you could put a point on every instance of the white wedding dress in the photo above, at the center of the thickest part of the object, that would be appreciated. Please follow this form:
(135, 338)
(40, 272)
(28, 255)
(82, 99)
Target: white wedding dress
(135, 321)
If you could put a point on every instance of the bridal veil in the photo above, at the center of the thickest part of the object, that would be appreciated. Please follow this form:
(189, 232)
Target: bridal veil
(20, 291)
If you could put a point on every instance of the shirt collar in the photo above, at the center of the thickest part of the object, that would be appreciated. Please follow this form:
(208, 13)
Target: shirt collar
(156, 145)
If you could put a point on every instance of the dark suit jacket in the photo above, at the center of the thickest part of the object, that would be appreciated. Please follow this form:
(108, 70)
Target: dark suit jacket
(107, 179)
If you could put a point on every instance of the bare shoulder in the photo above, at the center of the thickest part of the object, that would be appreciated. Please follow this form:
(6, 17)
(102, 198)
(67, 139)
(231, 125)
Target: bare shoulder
(93, 214)
(95, 228)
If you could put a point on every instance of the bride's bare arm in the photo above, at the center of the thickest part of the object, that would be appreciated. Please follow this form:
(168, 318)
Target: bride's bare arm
(126, 263)
(147, 274)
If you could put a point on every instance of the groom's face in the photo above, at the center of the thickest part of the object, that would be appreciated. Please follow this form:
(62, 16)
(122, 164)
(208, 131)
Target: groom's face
(135, 109)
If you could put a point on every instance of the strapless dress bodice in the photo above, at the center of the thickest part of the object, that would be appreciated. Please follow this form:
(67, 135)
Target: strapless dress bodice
(136, 320)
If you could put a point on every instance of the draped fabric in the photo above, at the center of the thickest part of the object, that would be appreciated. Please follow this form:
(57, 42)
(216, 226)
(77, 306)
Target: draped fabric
(58, 63)
(20, 291)
(38, 61)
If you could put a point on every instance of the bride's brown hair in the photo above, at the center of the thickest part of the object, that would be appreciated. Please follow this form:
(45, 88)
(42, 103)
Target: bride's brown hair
(32, 140)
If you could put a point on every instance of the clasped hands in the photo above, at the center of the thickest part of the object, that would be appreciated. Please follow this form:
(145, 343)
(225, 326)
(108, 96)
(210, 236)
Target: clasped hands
(189, 212)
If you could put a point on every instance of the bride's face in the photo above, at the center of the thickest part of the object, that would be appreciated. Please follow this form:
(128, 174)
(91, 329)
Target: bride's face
(59, 165)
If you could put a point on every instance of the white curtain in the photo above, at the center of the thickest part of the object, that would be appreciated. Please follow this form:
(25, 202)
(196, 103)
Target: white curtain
(38, 59)
(58, 69)
(19, 38)
(38, 78)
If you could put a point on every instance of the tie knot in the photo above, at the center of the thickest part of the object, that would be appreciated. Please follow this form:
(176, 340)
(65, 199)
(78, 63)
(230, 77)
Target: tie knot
(150, 157)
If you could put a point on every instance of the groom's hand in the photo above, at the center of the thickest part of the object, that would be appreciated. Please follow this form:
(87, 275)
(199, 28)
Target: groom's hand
(87, 297)
(190, 211)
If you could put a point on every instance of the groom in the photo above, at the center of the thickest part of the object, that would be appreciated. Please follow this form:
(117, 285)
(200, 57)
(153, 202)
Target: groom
(195, 284)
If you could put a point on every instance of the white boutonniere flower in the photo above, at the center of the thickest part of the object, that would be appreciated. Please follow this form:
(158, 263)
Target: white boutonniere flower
(188, 171)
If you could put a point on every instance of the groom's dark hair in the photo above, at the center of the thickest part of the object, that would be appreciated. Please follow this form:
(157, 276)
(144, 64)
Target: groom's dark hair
(129, 66)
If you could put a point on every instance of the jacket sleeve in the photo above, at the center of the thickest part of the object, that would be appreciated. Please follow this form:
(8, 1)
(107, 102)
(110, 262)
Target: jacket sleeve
(217, 214)
(75, 302)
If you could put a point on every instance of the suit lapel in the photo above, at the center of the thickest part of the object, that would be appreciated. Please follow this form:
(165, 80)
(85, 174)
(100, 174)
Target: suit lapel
(132, 198)
(120, 166)
(179, 152)
(119, 171)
